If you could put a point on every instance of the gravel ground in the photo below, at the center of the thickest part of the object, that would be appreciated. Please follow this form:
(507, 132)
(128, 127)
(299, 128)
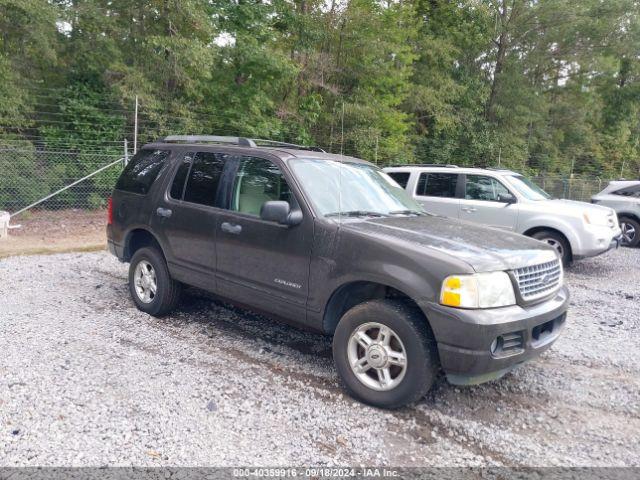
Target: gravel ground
(87, 380)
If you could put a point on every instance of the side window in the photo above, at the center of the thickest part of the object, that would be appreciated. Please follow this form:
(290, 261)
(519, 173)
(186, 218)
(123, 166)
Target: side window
(258, 181)
(480, 187)
(401, 177)
(177, 187)
(632, 191)
(437, 184)
(141, 171)
(204, 178)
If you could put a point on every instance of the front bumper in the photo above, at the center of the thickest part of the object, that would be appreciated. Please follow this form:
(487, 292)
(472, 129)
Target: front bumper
(476, 346)
(600, 240)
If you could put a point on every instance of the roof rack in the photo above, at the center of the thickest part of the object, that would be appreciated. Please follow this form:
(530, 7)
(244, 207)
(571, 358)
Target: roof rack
(240, 141)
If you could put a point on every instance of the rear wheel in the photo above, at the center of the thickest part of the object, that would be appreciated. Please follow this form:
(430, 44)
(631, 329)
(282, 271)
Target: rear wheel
(630, 231)
(152, 288)
(385, 353)
(558, 242)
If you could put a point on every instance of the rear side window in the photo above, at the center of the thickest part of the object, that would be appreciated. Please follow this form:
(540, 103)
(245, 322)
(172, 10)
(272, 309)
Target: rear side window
(141, 171)
(177, 187)
(437, 185)
(204, 178)
(632, 191)
(402, 178)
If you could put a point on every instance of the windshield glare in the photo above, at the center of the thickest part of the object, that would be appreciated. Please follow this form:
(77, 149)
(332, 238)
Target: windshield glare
(528, 188)
(335, 187)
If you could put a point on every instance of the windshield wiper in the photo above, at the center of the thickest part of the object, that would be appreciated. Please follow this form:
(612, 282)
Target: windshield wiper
(356, 213)
(406, 212)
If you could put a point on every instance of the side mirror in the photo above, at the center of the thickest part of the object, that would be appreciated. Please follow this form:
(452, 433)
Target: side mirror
(280, 212)
(506, 198)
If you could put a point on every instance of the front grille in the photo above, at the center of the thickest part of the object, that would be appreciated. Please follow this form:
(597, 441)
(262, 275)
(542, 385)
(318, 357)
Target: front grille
(538, 281)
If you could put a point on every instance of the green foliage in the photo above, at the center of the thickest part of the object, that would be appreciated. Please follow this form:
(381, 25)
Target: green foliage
(539, 86)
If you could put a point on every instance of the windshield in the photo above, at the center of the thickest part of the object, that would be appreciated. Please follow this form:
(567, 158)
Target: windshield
(527, 188)
(338, 188)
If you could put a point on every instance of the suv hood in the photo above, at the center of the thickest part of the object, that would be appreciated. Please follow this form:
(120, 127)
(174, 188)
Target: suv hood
(573, 207)
(485, 249)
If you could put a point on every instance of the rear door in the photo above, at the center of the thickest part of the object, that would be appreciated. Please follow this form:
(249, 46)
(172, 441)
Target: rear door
(482, 203)
(437, 192)
(186, 217)
(263, 264)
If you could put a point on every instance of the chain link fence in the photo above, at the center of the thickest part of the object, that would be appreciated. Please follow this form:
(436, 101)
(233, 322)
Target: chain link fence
(29, 175)
(572, 188)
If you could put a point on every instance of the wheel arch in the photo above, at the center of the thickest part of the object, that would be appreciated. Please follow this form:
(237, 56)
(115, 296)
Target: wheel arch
(353, 293)
(139, 238)
(535, 230)
(632, 215)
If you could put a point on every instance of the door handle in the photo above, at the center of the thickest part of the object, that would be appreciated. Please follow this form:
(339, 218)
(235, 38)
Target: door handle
(468, 209)
(164, 212)
(229, 228)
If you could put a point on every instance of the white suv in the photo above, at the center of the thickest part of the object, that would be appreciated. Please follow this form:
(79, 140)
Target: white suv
(508, 200)
(624, 197)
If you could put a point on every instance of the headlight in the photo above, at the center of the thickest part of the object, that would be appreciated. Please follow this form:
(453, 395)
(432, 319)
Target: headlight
(480, 290)
(597, 219)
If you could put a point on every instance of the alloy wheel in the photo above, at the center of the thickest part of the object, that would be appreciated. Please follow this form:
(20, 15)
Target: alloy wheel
(556, 245)
(145, 281)
(628, 233)
(377, 356)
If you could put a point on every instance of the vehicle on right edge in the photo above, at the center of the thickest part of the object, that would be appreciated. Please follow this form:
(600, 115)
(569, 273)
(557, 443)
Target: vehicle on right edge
(508, 200)
(624, 197)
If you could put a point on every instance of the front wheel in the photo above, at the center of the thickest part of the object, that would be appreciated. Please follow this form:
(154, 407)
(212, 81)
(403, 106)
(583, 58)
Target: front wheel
(558, 242)
(385, 353)
(152, 288)
(630, 232)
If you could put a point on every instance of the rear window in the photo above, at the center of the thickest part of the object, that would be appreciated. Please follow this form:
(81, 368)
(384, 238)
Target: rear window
(141, 171)
(632, 191)
(437, 185)
(402, 178)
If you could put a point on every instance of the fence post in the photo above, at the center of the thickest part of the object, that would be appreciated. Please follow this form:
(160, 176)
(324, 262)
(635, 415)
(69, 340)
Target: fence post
(4, 224)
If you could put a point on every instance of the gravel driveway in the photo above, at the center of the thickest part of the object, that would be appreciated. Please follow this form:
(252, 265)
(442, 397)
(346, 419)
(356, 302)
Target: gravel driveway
(86, 379)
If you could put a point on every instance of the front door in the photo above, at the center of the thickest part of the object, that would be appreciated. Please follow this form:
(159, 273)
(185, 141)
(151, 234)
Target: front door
(482, 203)
(263, 264)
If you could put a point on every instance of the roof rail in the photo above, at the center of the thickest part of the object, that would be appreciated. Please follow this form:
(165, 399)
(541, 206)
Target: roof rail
(245, 142)
(275, 143)
(497, 169)
(444, 165)
(241, 141)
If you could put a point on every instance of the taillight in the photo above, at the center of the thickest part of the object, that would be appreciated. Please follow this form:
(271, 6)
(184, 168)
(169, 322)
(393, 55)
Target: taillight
(109, 211)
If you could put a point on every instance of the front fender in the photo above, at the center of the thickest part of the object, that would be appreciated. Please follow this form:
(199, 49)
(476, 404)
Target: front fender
(567, 227)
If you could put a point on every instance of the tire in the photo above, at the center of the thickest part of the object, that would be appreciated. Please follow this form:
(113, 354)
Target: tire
(557, 241)
(630, 231)
(167, 290)
(409, 327)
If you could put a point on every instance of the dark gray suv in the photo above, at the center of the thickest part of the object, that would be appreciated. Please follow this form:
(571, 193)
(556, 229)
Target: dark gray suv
(333, 244)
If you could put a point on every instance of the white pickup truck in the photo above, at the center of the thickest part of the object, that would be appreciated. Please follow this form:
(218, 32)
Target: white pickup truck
(508, 200)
